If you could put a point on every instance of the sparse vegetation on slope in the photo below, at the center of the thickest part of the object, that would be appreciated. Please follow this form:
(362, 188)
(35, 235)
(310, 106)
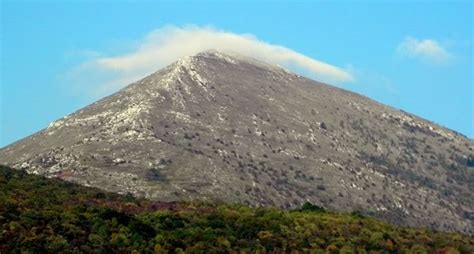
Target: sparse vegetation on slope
(220, 127)
(39, 215)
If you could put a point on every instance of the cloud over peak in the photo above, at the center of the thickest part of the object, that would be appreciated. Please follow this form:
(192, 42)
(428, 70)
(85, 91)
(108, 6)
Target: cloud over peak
(163, 46)
(428, 50)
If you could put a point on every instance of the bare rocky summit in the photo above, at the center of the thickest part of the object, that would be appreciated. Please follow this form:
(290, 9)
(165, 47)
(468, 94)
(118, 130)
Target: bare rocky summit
(227, 128)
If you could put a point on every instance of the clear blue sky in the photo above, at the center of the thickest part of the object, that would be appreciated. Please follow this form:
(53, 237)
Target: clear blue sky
(42, 40)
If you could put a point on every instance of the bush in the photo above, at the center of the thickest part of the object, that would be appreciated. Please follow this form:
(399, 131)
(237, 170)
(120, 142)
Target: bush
(310, 207)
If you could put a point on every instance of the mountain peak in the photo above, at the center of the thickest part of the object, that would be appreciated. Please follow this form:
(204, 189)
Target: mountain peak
(196, 70)
(190, 60)
(229, 57)
(225, 55)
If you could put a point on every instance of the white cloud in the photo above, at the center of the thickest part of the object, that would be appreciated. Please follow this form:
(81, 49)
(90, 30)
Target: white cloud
(164, 46)
(427, 50)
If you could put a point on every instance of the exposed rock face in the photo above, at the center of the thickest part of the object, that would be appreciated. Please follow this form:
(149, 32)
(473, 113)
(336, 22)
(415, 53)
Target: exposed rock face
(220, 127)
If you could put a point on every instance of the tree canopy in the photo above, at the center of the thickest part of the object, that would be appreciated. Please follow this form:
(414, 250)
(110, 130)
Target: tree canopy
(40, 215)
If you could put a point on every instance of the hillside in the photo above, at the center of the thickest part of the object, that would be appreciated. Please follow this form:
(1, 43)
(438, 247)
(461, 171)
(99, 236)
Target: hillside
(40, 215)
(225, 128)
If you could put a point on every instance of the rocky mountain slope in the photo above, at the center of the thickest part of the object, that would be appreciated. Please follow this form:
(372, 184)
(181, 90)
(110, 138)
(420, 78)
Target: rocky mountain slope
(228, 128)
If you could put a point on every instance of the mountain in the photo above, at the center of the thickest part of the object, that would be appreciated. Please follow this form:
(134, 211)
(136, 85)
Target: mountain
(221, 127)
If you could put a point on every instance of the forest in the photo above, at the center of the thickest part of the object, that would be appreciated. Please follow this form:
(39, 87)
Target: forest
(41, 215)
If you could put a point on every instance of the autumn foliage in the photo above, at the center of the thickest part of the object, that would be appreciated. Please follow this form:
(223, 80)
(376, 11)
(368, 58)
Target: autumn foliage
(39, 215)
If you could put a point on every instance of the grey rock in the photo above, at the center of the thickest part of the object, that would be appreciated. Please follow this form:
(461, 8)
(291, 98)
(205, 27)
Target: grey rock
(228, 128)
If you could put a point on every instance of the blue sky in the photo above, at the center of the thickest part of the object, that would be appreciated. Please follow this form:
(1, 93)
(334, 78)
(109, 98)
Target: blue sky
(416, 56)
